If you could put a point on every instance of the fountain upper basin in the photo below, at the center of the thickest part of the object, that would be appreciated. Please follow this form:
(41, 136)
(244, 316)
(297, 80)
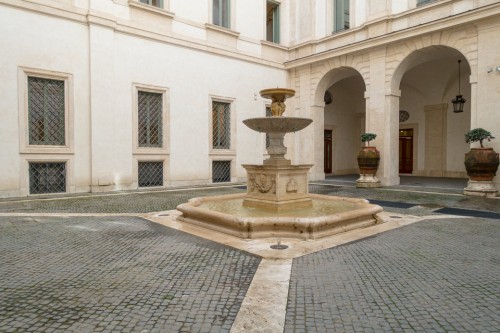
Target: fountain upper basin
(277, 93)
(277, 124)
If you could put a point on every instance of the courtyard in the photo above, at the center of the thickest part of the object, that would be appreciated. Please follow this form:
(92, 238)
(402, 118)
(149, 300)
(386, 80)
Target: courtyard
(121, 263)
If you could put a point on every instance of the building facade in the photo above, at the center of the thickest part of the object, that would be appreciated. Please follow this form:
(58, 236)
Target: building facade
(106, 95)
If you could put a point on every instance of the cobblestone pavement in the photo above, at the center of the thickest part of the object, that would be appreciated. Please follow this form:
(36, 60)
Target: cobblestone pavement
(116, 274)
(126, 274)
(155, 201)
(432, 276)
(129, 202)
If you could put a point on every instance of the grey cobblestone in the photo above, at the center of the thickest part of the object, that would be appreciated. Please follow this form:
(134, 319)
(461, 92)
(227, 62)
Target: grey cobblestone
(113, 274)
(433, 276)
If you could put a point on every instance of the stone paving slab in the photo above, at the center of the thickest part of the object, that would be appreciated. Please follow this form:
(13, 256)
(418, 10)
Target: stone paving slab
(431, 276)
(116, 274)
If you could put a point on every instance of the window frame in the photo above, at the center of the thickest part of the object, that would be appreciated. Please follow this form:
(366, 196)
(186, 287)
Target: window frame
(164, 148)
(335, 5)
(228, 19)
(276, 31)
(149, 3)
(232, 123)
(23, 94)
(41, 158)
(421, 3)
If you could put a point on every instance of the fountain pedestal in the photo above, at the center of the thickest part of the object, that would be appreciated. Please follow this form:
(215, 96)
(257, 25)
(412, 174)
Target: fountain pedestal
(277, 187)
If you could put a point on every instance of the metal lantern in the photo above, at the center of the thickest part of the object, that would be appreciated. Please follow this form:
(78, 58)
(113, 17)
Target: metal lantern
(459, 101)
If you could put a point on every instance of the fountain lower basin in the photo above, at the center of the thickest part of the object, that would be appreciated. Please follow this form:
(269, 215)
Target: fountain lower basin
(326, 216)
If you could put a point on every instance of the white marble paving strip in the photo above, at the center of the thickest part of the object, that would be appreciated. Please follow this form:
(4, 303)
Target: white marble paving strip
(264, 307)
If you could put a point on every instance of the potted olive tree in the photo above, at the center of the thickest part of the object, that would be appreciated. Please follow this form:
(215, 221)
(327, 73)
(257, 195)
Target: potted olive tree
(481, 164)
(368, 161)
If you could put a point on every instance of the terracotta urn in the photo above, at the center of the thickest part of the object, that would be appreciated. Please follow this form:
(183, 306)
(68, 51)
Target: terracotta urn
(481, 164)
(368, 160)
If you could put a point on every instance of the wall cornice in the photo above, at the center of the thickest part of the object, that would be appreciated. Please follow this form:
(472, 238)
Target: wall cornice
(92, 17)
(470, 17)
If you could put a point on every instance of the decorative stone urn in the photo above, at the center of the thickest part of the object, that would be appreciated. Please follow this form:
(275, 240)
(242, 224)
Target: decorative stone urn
(481, 165)
(368, 161)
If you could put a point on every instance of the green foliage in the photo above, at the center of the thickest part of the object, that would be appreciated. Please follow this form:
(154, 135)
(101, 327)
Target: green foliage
(478, 134)
(367, 137)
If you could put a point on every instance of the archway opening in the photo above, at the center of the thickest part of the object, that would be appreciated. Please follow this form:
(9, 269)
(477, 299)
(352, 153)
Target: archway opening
(344, 119)
(431, 135)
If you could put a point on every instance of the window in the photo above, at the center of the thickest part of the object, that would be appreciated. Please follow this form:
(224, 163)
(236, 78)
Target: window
(150, 174)
(46, 111)
(221, 171)
(156, 3)
(150, 120)
(47, 178)
(221, 125)
(272, 22)
(268, 114)
(220, 13)
(424, 2)
(341, 15)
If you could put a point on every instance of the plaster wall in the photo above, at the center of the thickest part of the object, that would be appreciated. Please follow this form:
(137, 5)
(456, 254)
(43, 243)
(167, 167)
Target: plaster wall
(189, 106)
(49, 45)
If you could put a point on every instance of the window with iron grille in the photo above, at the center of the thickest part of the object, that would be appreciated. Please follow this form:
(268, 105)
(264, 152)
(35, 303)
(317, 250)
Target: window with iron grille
(150, 120)
(221, 171)
(272, 22)
(220, 13)
(47, 177)
(221, 125)
(156, 3)
(268, 114)
(46, 111)
(150, 174)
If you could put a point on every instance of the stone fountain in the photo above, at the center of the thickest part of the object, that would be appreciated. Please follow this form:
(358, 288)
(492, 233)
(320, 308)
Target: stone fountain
(277, 202)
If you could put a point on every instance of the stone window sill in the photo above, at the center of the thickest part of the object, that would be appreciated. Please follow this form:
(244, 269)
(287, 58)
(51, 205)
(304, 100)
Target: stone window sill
(222, 30)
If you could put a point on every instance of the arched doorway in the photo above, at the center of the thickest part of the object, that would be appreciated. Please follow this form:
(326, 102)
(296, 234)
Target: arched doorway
(430, 134)
(344, 119)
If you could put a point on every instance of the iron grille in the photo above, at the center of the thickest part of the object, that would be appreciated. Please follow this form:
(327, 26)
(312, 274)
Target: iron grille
(150, 174)
(268, 114)
(47, 178)
(46, 107)
(221, 125)
(221, 171)
(150, 109)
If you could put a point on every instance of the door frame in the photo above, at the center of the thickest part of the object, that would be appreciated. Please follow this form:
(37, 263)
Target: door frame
(416, 138)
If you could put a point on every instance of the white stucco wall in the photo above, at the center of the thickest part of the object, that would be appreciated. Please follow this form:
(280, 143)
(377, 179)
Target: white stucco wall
(41, 43)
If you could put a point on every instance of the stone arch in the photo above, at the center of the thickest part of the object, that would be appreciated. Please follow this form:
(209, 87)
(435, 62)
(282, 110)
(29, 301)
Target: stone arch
(329, 72)
(401, 56)
(437, 155)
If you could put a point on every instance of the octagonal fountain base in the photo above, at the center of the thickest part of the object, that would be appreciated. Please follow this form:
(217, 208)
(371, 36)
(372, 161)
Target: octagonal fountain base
(326, 216)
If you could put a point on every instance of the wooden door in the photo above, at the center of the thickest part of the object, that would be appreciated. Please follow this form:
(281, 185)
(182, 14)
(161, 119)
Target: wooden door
(328, 151)
(406, 151)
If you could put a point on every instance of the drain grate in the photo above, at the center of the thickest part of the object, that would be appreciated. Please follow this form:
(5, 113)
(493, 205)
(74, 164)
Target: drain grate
(279, 247)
